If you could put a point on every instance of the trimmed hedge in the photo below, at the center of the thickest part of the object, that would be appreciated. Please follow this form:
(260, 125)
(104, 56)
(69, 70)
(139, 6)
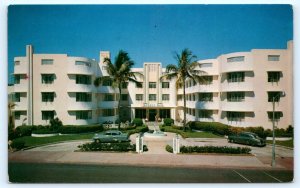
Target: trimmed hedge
(168, 121)
(138, 129)
(73, 129)
(137, 122)
(122, 147)
(18, 144)
(211, 149)
(214, 127)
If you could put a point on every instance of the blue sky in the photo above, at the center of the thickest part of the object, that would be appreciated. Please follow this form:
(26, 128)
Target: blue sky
(147, 32)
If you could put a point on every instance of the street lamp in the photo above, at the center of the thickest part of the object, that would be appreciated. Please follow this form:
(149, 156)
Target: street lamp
(280, 94)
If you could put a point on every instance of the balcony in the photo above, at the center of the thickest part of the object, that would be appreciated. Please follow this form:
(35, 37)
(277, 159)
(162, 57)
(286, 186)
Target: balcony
(73, 87)
(237, 106)
(81, 105)
(237, 86)
(209, 105)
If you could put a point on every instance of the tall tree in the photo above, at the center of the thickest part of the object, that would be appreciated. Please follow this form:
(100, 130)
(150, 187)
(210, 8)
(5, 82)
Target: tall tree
(119, 73)
(183, 71)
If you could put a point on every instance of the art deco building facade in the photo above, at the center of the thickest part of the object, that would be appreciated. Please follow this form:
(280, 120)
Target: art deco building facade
(238, 90)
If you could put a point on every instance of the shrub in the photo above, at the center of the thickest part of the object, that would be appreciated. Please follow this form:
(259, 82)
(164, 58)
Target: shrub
(168, 121)
(44, 131)
(214, 149)
(137, 122)
(24, 130)
(18, 144)
(94, 146)
(138, 129)
(73, 129)
(169, 149)
(214, 127)
(55, 124)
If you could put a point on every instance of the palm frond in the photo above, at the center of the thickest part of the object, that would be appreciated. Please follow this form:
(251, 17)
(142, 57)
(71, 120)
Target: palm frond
(171, 68)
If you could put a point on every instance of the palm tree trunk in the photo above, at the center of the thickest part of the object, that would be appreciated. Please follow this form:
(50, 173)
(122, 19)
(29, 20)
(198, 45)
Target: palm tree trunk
(119, 107)
(184, 107)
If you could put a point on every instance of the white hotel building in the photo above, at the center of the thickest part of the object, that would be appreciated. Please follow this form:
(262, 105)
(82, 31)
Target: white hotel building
(238, 90)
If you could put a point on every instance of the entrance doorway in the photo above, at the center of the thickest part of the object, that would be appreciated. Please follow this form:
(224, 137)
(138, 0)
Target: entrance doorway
(152, 114)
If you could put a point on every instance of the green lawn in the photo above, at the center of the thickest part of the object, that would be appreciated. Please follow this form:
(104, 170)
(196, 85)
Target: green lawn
(189, 134)
(288, 143)
(35, 141)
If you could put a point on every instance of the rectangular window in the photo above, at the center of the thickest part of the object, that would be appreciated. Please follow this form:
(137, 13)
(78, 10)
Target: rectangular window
(83, 79)
(274, 76)
(235, 116)
(83, 63)
(277, 115)
(203, 65)
(274, 95)
(106, 82)
(205, 97)
(165, 84)
(17, 97)
(108, 112)
(17, 63)
(206, 80)
(17, 115)
(152, 84)
(152, 97)
(236, 77)
(47, 96)
(17, 78)
(179, 97)
(47, 115)
(84, 114)
(204, 113)
(108, 97)
(83, 97)
(235, 96)
(236, 59)
(124, 85)
(139, 85)
(273, 57)
(47, 78)
(47, 61)
(165, 97)
(139, 97)
(124, 97)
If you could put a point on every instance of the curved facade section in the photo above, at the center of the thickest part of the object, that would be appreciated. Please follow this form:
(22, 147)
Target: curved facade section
(235, 62)
(81, 65)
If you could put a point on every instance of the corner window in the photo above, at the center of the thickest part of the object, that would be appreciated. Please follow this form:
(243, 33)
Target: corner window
(83, 79)
(47, 61)
(47, 78)
(274, 76)
(236, 77)
(235, 96)
(273, 57)
(236, 59)
(83, 97)
(274, 95)
(83, 63)
(203, 65)
(206, 80)
(277, 115)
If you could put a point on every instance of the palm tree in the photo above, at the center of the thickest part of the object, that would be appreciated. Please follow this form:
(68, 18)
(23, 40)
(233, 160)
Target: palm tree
(184, 70)
(119, 73)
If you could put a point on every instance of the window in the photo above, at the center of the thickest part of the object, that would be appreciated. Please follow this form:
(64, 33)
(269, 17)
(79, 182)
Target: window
(179, 97)
(17, 63)
(47, 115)
(277, 115)
(106, 82)
(83, 63)
(235, 96)
(17, 97)
(17, 79)
(203, 65)
(274, 95)
(47, 96)
(17, 115)
(236, 77)
(204, 113)
(165, 97)
(194, 97)
(205, 96)
(139, 97)
(124, 97)
(235, 59)
(124, 85)
(108, 97)
(206, 80)
(165, 84)
(83, 79)
(47, 61)
(139, 85)
(152, 84)
(83, 97)
(47, 78)
(108, 112)
(152, 97)
(235, 116)
(84, 114)
(273, 57)
(274, 76)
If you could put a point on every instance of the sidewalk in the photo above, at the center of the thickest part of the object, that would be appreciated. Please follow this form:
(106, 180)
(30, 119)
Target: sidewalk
(134, 159)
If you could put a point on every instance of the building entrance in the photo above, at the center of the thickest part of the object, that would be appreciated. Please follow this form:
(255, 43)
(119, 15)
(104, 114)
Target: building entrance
(152, 114)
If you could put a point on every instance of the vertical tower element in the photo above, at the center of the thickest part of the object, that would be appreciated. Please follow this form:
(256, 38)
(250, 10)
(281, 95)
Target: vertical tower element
(29, 55)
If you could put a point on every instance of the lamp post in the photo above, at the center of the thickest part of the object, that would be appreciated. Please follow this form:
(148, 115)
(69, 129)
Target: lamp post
(281, 94)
